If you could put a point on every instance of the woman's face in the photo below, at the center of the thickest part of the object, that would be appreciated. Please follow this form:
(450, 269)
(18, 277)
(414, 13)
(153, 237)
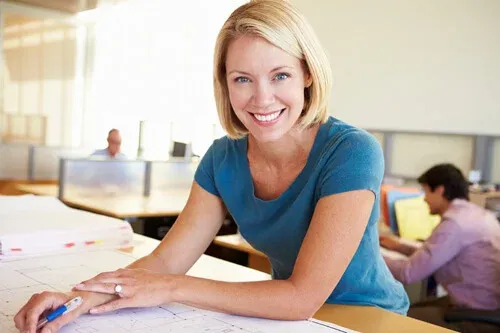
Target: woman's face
(266, 87)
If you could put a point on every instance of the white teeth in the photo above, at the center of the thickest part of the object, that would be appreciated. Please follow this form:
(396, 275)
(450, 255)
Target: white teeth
(267, 117)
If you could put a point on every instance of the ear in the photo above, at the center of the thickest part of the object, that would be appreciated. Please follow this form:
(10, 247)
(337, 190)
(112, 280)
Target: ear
(307, 80)
(439, 190)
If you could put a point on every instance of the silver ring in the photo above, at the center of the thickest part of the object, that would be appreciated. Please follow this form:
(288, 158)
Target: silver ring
(118, 289)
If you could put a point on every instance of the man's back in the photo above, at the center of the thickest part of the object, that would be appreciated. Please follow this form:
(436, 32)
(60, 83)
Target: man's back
(472, 276)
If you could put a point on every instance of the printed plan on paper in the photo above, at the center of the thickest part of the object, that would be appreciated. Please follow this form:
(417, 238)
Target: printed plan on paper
(20, 279)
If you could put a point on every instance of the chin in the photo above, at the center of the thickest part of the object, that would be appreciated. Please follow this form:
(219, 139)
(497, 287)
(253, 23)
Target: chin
(269, 133)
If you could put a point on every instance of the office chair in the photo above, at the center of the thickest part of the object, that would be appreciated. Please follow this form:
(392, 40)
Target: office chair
(483, 316)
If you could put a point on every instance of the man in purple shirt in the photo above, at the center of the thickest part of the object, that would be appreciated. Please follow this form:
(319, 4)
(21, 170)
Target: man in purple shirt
(462, 253)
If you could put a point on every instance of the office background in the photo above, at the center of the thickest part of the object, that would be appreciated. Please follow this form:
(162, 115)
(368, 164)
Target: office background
(422, 76)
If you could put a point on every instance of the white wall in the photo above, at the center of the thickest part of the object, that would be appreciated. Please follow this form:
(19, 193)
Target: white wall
(39, 67)
(413, 154)
(422, 65)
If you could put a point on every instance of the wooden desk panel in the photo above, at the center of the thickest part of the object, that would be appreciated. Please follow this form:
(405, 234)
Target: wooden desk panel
(256, 259)
(38, 189)
(371, 319)
(165, 203)
(161, 203)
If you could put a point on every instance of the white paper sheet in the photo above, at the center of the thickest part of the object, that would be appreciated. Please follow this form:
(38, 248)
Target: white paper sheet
(20, 279)
(31, 225)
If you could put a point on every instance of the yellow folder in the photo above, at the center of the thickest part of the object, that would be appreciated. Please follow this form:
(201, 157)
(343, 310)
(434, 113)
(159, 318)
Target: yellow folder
(414, 219)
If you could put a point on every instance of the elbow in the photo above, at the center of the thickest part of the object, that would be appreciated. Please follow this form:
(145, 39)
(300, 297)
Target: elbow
(308, 312)
(306, 306)
(306, 301)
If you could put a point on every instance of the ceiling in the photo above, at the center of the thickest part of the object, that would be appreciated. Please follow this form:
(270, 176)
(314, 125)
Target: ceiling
(69, 6)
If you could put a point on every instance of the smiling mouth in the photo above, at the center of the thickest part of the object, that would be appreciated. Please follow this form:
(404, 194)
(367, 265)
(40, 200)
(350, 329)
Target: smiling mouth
(269, 116)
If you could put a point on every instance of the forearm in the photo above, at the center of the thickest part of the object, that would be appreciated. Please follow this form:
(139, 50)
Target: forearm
(276, 299)
(406, 249)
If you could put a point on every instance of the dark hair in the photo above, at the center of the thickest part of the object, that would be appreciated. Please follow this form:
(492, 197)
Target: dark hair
(450, 177)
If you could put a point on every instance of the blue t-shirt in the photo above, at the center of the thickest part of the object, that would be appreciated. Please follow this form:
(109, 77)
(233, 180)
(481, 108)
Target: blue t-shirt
(343, 158)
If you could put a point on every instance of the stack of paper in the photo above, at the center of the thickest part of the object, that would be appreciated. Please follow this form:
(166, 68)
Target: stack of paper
(37, 225)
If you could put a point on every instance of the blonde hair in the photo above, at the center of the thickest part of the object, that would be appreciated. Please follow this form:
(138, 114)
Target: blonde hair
(282, 25)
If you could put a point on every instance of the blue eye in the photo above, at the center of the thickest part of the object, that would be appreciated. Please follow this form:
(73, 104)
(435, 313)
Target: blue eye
(241, 79)
(281, 76)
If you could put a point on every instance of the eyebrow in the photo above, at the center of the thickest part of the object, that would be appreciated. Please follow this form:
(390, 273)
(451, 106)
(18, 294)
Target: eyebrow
(273, 70)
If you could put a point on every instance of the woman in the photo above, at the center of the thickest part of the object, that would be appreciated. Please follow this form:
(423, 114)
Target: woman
(302, 187)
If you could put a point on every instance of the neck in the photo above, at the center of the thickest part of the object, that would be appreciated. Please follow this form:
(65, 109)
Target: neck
(293, 147)
(110, 154)
(444, 207)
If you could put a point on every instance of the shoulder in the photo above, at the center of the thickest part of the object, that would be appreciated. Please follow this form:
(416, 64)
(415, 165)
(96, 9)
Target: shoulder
(219, 163)
(349, 159)
(223, 152)
(344, 144)
(344, 138)
(100, 152)
(226, 150)
(467, 215)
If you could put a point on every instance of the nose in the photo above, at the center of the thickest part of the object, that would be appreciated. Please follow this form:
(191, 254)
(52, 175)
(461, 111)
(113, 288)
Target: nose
(263, 95)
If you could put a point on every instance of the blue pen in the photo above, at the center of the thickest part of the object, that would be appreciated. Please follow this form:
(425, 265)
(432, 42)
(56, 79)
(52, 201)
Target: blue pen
(65, 308)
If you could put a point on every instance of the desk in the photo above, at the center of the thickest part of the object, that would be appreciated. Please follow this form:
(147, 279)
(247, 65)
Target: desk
(360, 318)
(480, 198)
(50, 190)
(158, 204)
(256, 259)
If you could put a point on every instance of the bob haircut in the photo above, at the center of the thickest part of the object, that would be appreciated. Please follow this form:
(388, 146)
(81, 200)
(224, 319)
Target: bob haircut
(278, 22)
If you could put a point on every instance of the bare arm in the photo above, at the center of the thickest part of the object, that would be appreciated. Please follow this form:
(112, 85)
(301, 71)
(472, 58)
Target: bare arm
(330, 243)
(191, 234)
(395, 244)
(442, 246)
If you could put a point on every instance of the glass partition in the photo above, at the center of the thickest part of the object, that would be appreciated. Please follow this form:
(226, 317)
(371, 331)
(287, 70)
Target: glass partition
(46, 160)
(495, 174)
(172, 174)
(96, 177)
(14, 161)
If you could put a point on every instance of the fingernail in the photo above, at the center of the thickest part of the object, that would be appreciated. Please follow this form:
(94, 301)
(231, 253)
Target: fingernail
(93, 311)
(80, 285)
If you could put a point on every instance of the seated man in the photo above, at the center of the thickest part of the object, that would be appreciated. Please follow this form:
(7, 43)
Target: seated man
(115, 173)
(114, 146)
(463, 252)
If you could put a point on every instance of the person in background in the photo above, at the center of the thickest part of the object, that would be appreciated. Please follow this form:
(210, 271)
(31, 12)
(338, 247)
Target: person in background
(462, 253)
(114, 145)
(302, 186)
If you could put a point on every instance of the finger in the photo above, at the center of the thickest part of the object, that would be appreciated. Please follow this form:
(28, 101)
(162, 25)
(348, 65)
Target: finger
(20, 317)
(120, 303)
(104, 275)
(127, 291)
(43, 302)
(108, 277)
(105, 288)
(109, 280)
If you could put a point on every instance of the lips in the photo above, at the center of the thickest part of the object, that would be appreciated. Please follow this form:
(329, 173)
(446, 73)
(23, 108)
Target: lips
(268, 117)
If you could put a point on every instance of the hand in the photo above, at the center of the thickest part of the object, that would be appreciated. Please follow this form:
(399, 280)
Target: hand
(27, 318)
(139, 288)
(390, 243)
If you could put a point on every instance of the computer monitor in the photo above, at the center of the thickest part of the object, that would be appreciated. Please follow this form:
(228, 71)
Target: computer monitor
(179, 149)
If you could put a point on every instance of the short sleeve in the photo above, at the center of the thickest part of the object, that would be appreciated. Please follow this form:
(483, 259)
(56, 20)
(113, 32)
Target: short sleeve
(205, 173)
(355, 162)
